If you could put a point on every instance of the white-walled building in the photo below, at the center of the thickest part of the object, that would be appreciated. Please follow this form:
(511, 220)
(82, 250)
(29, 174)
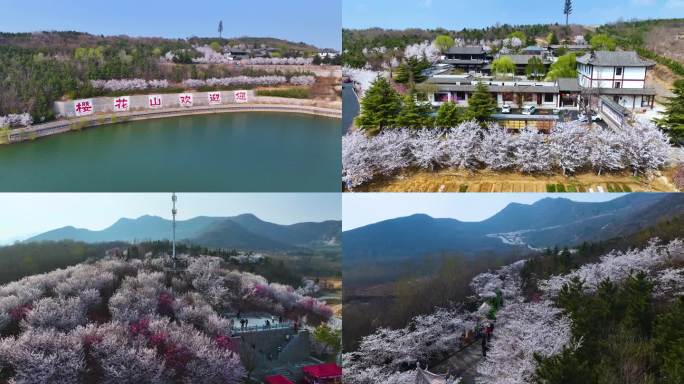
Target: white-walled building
(328, 52)
(621, 75)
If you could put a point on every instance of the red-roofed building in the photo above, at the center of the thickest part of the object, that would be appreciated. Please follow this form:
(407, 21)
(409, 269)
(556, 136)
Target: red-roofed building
(329, 373)
(277, 379)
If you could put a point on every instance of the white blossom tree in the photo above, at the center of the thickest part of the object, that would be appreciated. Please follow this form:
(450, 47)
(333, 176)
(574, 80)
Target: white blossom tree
(605, 153)
(497, 149)
(357, 159)
(532, 153)
(391, 151)
(644, 147)
(427, 148)
(569, 148)
(462, 145)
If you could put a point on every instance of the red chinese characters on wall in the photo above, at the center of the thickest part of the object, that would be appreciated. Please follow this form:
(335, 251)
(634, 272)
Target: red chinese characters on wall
(122, 104)
(154, 101)
(240, 96)
(214, 98)
(185, 99)
(83, 107)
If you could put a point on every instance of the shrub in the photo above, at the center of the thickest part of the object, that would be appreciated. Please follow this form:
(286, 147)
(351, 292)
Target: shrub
(626, 188)
(572, 188)
(463, 188)
(610, 188)
(293, 93)
(560, 188)
(550, 187)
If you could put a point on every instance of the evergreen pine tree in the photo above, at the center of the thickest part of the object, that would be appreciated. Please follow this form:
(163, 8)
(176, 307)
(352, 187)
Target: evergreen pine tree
(449, 115)
(379, 106)
(673, 119)
(481, 105)
(413, 114)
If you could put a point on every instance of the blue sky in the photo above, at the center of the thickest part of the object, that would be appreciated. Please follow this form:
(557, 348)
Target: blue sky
(316, 22)
(359, 209)
(458, 14)
(27, 214)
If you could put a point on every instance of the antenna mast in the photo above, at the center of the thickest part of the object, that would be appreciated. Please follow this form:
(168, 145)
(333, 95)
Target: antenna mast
(173, 213)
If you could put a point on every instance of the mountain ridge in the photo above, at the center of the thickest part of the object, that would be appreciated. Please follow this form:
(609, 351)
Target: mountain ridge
(210, 231)
(545, 223)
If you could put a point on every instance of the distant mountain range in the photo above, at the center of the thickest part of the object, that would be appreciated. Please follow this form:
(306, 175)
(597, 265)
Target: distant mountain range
(546, 223)
(246, 232)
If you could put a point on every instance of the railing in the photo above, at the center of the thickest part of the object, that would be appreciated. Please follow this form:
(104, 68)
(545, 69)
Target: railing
(260, 328)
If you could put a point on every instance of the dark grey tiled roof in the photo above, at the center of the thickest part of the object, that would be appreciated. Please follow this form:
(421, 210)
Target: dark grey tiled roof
(615, 59)
(576, 47)
(523, 59)
(466, 50)
(499, 88)
(460, 61)
(568, 84)
(627, 91)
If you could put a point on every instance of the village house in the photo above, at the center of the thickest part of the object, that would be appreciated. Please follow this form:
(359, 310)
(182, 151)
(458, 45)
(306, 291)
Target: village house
(535, 50)
(619, 75)
(327, 52)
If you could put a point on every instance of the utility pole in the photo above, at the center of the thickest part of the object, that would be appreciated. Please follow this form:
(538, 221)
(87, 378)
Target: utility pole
(173, 214)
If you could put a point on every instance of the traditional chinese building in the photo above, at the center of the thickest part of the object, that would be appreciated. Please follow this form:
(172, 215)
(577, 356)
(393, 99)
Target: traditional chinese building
(516, 93)
(467, 58)
(619, 75)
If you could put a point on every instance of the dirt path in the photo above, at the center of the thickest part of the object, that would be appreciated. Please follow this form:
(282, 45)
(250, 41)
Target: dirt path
(487, 181)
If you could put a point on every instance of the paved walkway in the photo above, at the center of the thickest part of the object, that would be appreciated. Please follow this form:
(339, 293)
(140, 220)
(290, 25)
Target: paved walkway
(462, 364)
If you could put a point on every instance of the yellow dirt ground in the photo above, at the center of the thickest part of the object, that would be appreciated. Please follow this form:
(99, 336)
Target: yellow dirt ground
(486, 181)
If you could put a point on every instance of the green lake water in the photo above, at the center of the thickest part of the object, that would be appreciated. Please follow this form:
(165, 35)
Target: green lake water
(241, 152)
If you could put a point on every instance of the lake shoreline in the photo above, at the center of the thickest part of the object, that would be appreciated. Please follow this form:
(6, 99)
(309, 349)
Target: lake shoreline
(68, 125)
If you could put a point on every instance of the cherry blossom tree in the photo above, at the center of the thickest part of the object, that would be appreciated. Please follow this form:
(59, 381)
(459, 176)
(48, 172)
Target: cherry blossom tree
(604, 150)
(616, 266)
(16, 120)
(43, 356)
(363, 77)
(497, 148)
(532, 153)
(391, 151)
(357, 159)
(462, 145)
(519, 338)
(425, 50)
(427, 148)
(569, 147)
(302, 80)
(644, 147)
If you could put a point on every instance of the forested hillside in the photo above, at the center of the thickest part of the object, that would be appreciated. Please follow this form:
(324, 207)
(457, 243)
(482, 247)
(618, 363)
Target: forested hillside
(38, 68)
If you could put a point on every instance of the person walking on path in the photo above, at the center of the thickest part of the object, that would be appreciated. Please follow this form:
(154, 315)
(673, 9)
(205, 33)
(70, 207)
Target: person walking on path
(484, 346)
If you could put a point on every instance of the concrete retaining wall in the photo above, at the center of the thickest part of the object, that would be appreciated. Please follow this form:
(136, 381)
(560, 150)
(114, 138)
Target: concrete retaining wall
(139, 102)
(310, 107)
